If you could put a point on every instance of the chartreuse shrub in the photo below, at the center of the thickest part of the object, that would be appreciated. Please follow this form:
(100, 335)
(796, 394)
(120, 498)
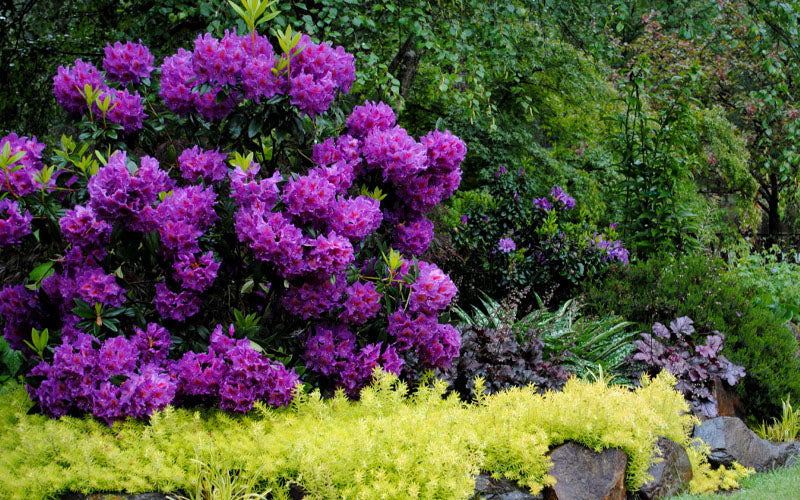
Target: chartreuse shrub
(390, 444)
(665, 288)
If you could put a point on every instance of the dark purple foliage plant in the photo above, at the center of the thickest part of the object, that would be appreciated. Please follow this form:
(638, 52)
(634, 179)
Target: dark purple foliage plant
(693, 358)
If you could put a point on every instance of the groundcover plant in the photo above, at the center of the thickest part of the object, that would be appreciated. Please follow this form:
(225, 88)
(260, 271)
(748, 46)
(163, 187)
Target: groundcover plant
(187, 280)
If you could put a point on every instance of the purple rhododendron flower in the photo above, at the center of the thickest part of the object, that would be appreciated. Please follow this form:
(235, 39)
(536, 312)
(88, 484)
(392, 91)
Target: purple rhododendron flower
(356, 218)
(562, 197)
(414, 237)
(362, 303)
(177, 306)
(542, 204)
(13, 225)
(370, 116)
(20, 177)
(70, 81)
(81, 227)
(177, 76)
(432, 291)
(196, 163)
(196, 273)
(131, 62)
(332, 351)
(506, 245)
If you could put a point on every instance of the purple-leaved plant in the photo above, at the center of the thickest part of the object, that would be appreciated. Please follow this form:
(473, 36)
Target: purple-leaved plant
(693, 358)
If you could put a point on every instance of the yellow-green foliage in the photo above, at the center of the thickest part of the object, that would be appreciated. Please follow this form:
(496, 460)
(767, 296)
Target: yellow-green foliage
(784, 429)
(391, 444)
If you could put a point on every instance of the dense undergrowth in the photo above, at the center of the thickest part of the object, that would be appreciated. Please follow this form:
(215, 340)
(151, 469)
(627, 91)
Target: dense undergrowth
(391, 443)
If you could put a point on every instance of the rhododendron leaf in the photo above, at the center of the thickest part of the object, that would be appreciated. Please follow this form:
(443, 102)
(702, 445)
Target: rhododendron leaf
(40, 272)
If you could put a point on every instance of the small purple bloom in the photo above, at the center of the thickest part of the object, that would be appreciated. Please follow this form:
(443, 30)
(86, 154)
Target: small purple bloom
(542, 204)
(560, 196)
(506, 245)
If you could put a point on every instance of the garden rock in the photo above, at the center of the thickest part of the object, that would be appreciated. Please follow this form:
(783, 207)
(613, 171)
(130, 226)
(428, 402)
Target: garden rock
(730, 440)
(671, 475)
(583, 474)
(728, 402)
(488, 488)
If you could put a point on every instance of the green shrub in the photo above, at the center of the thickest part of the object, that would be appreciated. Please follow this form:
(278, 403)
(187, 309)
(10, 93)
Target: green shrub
(698, 286)
(389, 444)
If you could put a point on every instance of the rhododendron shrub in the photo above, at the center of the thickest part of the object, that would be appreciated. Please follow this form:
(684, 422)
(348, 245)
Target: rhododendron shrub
(312, 261)
(516, 234)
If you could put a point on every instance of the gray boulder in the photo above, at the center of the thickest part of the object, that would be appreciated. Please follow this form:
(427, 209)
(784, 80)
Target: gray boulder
(730, 440)
(671, 475)
(584, 474)
(488, 488)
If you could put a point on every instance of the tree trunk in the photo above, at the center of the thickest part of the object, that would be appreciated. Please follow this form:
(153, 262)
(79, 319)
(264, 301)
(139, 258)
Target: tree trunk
(404, 65)
(773, 215)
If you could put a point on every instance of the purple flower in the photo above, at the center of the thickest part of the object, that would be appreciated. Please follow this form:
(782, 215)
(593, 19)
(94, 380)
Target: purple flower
(258, 81)
(126, 109)
(218, 62)
(321, 60)
(196, 163)
(176, 82)
(153, 343)
(13, 225)
(313, 298)
(234, 374)
(356, 218)
(127, 63)
(562, 197)
(310, 197)
(94, 285)
(413, 237)
(332, 352)
(542, 204)
(362, 303)
(506, 245)
(196, 273)
(177, 306)
(313, 96)
(210, 107)
(395, 153)
(370, 116)
(328, 255)
(81, 227)
(432, 291)
(20, 177)
(69, 82)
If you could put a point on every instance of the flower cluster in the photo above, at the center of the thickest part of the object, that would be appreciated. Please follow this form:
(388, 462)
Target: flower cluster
(332, 351)
(124, 377)
(116, 379)
(128, 63)
(19, 178)
(123, 63)
(207, 165)
(234, 375)
(19, 309)
(678, 350)
(13, 224)
(436, 344)
(241, 67)
(614, 249)
(506, 245)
